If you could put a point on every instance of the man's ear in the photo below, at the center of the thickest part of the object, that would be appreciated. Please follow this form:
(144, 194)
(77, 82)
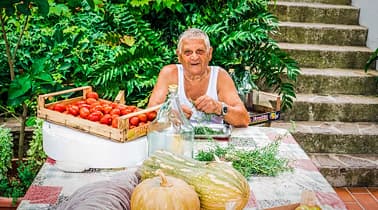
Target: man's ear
(210, 53)
(178, 56)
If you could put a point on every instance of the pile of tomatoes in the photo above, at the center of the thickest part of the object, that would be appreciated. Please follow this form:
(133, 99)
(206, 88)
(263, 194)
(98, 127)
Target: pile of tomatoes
(102, 111)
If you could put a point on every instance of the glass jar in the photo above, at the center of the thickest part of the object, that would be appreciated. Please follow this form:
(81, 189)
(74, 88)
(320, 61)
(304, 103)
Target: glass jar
(171, 130)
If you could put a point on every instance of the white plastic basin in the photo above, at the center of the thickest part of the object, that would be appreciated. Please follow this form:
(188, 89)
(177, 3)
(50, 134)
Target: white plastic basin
(74, 150)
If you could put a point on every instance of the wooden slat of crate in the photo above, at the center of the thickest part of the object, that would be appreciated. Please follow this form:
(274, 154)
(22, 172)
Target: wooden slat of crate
(83, 125)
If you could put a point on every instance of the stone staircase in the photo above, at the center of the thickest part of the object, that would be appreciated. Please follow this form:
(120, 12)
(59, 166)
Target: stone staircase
(335, 114)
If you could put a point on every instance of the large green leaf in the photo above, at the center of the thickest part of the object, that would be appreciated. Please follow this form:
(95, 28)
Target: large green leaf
(19, 86)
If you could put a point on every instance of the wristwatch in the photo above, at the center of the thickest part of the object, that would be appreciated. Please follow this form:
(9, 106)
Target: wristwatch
(224, 109)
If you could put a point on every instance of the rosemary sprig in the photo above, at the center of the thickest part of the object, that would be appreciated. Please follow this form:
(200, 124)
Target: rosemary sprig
(262, 161)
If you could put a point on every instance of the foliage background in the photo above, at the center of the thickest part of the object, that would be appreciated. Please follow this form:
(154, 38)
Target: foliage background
(123, 44)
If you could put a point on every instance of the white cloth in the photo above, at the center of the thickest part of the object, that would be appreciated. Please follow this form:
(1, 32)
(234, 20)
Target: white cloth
(211, 91)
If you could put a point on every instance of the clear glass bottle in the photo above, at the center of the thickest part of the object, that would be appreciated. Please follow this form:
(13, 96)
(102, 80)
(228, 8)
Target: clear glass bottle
(233, 76)
(171, 130)
(246, 89)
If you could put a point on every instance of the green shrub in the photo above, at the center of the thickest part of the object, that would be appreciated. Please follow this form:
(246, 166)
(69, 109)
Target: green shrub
(122, 45)
(6, 151)
(15, 185)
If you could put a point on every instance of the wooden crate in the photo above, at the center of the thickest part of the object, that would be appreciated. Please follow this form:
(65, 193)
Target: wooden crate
(121, 134)
(266, 108)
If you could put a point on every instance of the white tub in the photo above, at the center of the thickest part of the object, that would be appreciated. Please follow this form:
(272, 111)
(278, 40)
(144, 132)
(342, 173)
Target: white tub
(74, 150)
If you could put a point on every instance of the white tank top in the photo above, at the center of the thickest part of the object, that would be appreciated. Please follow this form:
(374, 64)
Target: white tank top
(211, 91)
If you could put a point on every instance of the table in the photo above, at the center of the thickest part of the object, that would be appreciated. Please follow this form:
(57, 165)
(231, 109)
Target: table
(52, 186)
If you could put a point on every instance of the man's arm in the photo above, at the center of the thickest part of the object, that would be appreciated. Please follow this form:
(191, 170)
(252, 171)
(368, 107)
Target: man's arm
(167, 76)
(237, 114)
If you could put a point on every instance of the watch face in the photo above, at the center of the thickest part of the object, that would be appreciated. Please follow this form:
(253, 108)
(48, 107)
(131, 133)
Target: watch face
(224, 109)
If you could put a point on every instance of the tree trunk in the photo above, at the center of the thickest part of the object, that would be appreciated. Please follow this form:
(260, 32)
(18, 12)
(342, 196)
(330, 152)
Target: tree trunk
(21, 140)
(7, 49)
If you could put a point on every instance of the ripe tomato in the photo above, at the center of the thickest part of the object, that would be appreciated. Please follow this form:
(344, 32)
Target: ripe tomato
(85, 105)
(125, 111)
(96, 104)
(95, 116)
(92, 95)
(95, 108)
(115, 122)
(142, 117)
(104, 102)
(91, 101)
(114, 105)
(151, 115)
(60, 107)
(106, 109)
(106, 119)
(99, 113)
(73, 109)
(134, 121)
(115, 111)
(84, 112)
(51, 107)
(132, 108)
(81, 102)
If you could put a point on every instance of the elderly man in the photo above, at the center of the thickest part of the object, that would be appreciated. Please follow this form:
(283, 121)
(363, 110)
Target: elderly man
(202, 89)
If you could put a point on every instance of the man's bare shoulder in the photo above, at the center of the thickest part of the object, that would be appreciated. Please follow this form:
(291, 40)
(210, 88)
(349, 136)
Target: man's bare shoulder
(168, 74)
(223, 74)
(169, 69)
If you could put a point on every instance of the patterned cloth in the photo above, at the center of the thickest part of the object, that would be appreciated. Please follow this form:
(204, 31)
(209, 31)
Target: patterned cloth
(53, 186)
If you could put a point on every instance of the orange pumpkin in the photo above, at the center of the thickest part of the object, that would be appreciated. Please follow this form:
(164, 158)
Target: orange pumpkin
(164, 192)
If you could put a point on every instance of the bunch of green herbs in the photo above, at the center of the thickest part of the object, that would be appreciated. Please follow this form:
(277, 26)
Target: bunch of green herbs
(258, 162)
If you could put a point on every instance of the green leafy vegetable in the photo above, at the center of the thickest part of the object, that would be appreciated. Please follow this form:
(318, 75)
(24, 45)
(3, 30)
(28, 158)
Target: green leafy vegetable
(204, 130)
(261, 161)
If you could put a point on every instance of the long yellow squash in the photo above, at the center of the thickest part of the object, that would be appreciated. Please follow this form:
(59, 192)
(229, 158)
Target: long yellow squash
(216, 183)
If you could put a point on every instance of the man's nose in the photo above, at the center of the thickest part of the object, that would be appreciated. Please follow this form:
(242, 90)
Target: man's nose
(194, 55)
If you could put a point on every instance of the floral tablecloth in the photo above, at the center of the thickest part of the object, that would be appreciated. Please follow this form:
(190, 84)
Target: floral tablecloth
(52, 186)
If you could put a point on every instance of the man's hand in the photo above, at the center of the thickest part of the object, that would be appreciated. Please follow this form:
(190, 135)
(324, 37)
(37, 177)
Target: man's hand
(208, 105)
(187, 111)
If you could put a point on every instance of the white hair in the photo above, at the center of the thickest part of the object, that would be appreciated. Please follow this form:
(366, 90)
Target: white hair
(194, 33)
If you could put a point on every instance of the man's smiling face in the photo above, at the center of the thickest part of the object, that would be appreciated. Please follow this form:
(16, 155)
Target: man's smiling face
(194, 55)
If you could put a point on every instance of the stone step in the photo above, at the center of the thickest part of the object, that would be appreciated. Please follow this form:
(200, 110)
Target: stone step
(337, 81)
(343, 170)
(327, 56)
(333, 137)
(340, 2)
(344, 108)
(315, 12)
(319, 33)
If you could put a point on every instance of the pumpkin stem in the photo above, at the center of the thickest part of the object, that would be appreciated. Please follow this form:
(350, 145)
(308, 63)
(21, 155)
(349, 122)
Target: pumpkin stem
(216, 158)
(164, 182)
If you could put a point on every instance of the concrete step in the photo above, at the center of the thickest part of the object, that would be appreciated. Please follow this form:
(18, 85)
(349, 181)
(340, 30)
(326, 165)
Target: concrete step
(343, 170)
(314, 12)
(344, 108)
(333, 137)
(319, 33)
(341, 2)
(327, 56)
(337, 81)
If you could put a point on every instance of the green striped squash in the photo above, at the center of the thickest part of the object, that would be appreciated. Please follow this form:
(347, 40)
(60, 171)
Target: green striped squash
(217, 183)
